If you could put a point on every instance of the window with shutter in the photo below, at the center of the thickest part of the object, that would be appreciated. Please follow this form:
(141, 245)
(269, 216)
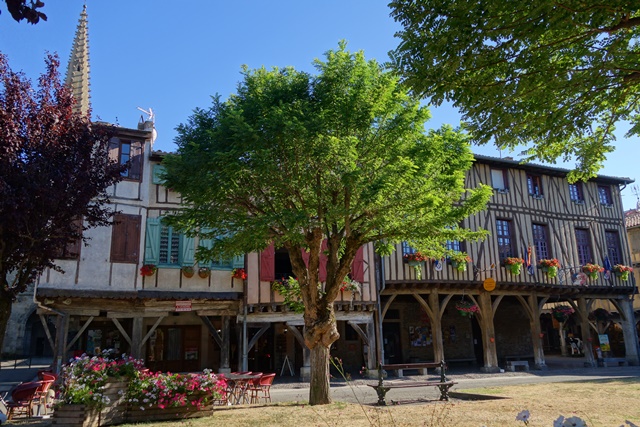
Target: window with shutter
(583, 245)
(505, 238)
(222, 263)
(267, 264)
(127, 152)
(125, 238)
(357, 268)
(613, 246)
(166, 246)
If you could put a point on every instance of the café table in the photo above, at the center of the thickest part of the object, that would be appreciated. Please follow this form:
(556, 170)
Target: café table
(237, 386)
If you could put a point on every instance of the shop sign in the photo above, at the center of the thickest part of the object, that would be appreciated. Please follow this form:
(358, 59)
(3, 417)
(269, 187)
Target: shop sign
(183, 305)
(489, 284)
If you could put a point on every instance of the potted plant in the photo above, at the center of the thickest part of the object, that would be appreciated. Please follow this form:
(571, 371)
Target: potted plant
(148, 270)
(239, 273)
(466, 308)
(622, 271)
(415, 260)
(204, 272)
(513, 264)
(592, 270)
(550, 267)
(459, 261)
(562, 312)
(188, 271)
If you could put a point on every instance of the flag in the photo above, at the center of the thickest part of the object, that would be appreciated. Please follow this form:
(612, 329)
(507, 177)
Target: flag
(437, 264)
(607, 268)
(530, 268)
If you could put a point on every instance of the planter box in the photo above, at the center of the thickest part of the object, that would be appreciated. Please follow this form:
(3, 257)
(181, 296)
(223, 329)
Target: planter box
(75, 416)
(135, 415)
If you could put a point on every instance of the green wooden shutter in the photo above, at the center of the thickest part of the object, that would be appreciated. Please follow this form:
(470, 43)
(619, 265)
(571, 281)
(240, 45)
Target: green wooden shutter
(188, 250)
(158, 170)
(152, 241)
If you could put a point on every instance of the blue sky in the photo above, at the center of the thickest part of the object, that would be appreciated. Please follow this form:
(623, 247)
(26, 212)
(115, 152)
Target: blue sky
(154, 53)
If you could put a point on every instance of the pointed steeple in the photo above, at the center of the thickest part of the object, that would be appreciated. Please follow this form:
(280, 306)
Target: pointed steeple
(78, 68)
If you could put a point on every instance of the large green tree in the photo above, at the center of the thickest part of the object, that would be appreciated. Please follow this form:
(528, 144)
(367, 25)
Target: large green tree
(557, 75)
(342, 155)
(54, 169)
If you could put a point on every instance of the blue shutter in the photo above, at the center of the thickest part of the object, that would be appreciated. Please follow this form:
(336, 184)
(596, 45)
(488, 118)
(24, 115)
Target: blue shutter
(152, 241)
(188, 250)
(238, 261)
(158, 170)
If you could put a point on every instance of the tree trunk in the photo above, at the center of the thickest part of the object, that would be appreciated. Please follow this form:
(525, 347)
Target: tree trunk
(5, 313)
(319, 390)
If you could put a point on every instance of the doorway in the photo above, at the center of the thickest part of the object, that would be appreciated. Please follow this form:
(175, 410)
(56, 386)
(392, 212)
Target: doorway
(392, 343)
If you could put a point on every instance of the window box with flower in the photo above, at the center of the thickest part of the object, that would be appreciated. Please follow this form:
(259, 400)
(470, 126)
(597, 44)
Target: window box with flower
(148, 270)
(550, 267)
(415, 260)
(466, 308)
(239, 273)
(459, 261)
(622, 271)
(289, 289)
(592, 270)
(513, 265)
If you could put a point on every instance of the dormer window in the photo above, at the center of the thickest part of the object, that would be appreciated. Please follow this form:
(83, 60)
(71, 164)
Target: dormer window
(534, 185)
(127, 152)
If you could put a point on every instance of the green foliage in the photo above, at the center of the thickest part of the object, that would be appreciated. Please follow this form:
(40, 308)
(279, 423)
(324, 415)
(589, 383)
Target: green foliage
(557, 76)
(290, 291)
(294, 158)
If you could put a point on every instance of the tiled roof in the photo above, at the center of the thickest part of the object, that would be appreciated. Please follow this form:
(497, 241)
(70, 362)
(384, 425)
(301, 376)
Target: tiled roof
(632, 218)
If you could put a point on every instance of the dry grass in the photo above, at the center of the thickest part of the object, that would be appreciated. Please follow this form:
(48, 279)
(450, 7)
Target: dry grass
(600, 403)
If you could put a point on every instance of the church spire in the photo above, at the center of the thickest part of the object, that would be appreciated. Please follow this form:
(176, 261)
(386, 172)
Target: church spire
(78, 68)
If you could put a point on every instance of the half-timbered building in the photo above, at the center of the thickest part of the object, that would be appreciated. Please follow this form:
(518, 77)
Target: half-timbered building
(534, 214)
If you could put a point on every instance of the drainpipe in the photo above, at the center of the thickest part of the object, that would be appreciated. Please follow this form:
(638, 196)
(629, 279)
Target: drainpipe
(245, 362)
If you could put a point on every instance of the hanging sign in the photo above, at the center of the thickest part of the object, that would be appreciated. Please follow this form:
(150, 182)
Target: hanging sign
(604, 342)
(489, 284)
(183, 306)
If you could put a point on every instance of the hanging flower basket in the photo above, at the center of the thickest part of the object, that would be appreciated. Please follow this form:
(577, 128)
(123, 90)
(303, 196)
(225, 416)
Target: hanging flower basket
(513, 265)
(148, 270)
(239, 273)
(466, 308)
(549, 267)
(600, 315)
(592, 270)
(349, 285)
(204, 272)
(622, 271)
(562, 312)
(188, 271)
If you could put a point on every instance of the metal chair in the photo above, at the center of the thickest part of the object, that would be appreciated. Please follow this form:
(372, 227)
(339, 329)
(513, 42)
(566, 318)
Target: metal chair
(262, 386)
(22, 399)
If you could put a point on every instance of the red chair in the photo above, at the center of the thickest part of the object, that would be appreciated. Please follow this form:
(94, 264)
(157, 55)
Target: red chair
(22, 399)
(47, 376)
(41, 397)
(263, 387)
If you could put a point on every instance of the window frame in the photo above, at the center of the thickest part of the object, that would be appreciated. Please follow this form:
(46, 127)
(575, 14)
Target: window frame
(615, 246)
(585, 249)
(575, 189)
(502, 254)
(135, 157)
(534, 185)
(121, 224)
(505, 181)
(170, 236)
(544, 240)
(605, 196)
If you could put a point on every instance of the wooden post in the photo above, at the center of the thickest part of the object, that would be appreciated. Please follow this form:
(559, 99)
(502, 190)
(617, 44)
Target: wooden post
(488, 333)
(371, 346)
(136, 338)
(585, 326)
(436, 327)
(57, 345)
(536, 332)
(629, 331)
(563, 339)
(226, 345)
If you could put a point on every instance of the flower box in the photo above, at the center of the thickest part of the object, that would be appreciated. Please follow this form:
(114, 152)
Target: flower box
(204, 272)
(592, 270)
(622, 271)
(148, 270)
(76, 416)
(187, 271)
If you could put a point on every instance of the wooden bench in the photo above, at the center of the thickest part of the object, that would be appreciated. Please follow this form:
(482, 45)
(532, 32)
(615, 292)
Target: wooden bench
(399, 368)
(614, 361)
(382, 388)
